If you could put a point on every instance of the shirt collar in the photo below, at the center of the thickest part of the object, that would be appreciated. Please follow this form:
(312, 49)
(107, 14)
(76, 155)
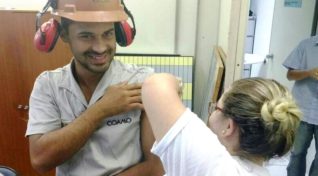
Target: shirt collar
(315, 38)
(69, 83)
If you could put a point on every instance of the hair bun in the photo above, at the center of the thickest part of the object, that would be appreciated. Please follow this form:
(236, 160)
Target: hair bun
(281, 109)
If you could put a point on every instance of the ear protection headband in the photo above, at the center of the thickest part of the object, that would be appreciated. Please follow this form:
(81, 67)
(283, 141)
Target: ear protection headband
(48, 33)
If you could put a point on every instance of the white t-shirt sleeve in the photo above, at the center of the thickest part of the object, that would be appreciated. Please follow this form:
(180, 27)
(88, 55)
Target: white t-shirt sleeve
(191, 148)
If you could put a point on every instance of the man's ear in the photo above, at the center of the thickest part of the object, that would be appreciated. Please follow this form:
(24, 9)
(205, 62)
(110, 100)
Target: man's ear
(64, 36)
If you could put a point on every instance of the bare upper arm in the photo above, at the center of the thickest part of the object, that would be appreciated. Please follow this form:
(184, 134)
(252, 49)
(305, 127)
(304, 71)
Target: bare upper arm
(147, 140)
(147, 137)
(162, 102)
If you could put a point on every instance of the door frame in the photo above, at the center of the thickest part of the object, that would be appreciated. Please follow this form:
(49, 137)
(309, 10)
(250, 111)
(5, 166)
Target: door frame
(315, 20)
(236, 41)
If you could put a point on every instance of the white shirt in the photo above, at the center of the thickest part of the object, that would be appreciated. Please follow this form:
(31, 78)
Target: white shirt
(190, 148)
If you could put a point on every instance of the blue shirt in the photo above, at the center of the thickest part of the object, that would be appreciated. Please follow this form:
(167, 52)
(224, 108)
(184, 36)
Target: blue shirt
(305, 91)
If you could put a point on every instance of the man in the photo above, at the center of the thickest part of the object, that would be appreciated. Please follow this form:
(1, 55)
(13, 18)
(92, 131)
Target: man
(302, 65)
(86, 118)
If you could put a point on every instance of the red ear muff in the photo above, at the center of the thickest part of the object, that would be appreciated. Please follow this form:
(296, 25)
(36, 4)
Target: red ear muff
(46, 36)
(124, 33)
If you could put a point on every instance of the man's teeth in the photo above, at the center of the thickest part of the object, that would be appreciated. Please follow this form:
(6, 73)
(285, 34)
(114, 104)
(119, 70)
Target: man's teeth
(98, 57)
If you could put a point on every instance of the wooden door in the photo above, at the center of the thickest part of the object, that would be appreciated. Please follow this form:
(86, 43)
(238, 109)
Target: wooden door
(20, 64)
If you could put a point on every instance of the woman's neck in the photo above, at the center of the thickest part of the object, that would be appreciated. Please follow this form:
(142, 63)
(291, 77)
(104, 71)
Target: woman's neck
(255, 159)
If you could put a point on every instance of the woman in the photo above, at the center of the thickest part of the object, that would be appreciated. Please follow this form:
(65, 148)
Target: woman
(253, 121)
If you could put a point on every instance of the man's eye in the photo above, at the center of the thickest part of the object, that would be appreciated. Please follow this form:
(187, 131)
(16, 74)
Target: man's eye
(86, 37)
(109, 34)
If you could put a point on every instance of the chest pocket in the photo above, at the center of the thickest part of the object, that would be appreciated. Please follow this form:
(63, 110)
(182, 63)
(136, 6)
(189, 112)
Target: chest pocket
(70, 107)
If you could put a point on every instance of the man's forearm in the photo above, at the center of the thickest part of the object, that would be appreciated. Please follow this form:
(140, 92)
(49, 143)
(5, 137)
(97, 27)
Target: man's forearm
(297, 74)
(52, 149)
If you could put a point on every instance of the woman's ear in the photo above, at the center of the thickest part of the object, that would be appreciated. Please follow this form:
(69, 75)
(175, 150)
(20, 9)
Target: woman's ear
(231, 137)
(231, 127)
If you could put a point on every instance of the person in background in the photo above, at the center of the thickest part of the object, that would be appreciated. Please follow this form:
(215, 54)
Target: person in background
(302, 65)
(254, 120)
(87, 118)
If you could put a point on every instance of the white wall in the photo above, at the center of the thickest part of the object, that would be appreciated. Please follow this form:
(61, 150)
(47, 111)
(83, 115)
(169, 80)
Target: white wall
(22, 4)
(156, 26)
(225, 14)
(186, 27)
(206, 39)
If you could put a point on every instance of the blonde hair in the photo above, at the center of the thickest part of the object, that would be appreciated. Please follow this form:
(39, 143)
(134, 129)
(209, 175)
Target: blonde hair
(266, 115)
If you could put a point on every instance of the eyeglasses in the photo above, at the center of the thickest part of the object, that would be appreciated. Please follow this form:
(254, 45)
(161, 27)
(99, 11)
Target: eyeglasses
(214, 107)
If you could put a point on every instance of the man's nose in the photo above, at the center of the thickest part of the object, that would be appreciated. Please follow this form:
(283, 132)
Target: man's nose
(100, 45)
